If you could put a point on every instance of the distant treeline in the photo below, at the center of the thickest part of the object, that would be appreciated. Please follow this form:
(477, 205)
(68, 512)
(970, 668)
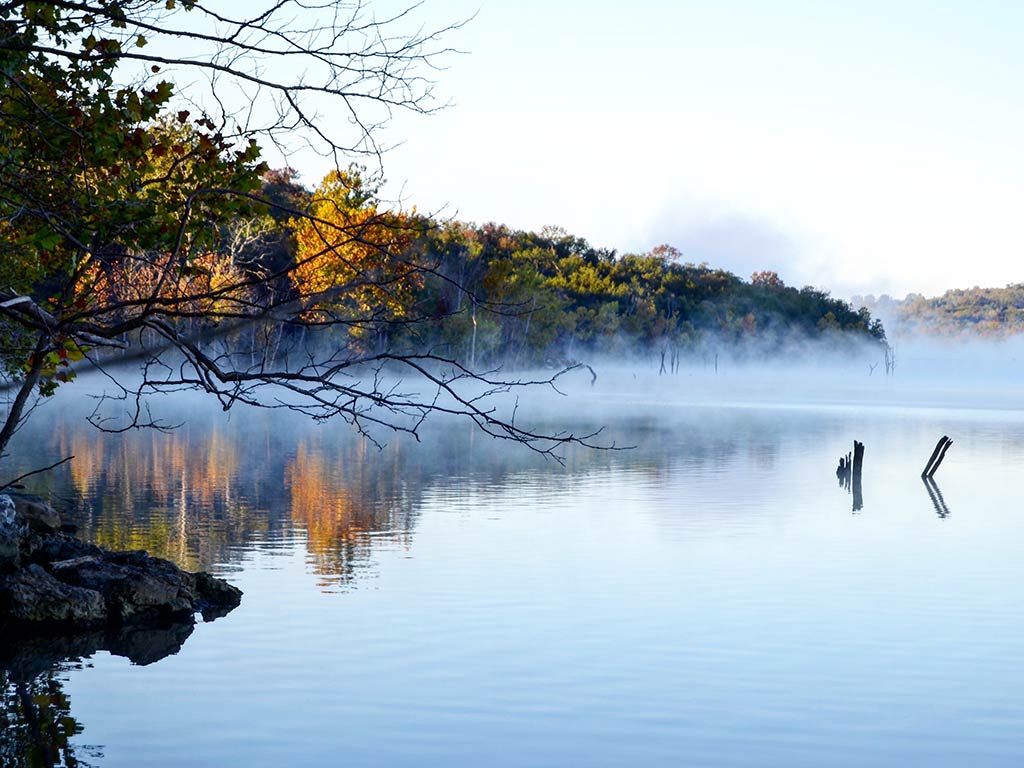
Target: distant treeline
(497, 295)
(975, 311)
(331, 271)
(551, 294)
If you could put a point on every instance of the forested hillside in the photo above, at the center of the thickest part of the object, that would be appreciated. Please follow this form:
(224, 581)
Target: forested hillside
(497, 295)
(971, 311)
(138, 225)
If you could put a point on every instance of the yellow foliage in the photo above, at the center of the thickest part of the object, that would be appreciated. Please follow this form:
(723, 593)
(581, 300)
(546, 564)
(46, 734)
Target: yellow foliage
(351, 258)
(208, 284)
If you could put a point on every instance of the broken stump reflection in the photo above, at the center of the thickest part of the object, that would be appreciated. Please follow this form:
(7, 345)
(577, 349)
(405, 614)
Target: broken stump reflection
(928, 476)
(936, 496)
(849, 473)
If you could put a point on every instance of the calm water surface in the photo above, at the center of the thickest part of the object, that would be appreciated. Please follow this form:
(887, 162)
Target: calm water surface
(710, 598)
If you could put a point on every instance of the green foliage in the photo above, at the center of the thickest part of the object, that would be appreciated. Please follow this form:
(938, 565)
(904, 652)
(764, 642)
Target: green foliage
(116, 204)
(994, 312)
(92, 170)
(551, 295)
(36, 724)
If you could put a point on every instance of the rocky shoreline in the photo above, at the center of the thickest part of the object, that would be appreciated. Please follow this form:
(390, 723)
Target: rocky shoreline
(53, 582)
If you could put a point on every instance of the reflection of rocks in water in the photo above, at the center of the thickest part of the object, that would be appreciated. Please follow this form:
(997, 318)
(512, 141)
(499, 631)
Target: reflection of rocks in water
(23, 658)
(36, 723)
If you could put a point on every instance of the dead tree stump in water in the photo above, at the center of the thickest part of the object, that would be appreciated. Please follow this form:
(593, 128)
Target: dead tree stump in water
(942, 455)
(849, 473)
(858, 457)
(937, 456)
(858, 466)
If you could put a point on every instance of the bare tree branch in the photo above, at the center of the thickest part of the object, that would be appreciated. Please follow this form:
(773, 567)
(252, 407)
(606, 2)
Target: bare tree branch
(14, 483)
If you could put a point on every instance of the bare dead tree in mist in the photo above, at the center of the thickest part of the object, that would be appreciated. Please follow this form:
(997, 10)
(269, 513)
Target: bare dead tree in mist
(131, 208)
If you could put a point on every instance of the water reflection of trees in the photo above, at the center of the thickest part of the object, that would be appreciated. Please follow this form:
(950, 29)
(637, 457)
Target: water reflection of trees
(36, 722)
(204, 493)
(201, 494)
(36, 725)
(341, 497)
(181, 495)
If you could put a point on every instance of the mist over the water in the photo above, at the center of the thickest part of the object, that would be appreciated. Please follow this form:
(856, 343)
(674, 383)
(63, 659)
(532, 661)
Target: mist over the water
(736, 602)
(927, 373)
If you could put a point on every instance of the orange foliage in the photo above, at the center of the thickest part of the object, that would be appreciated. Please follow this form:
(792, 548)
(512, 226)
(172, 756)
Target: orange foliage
(767, 277)
(350, 257)
(208, 284)
(181, 478)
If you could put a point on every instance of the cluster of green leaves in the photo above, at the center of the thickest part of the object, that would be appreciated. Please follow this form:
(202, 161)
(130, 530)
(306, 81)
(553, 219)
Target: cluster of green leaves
(92, 171)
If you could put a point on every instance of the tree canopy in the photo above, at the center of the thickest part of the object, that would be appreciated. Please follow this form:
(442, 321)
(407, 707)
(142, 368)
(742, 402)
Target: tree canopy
(134, 212)
(139, 220)
(967, 312)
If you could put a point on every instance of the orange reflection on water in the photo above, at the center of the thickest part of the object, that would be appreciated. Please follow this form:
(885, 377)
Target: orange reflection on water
(170, 493)
(340, 497)
(194, 493)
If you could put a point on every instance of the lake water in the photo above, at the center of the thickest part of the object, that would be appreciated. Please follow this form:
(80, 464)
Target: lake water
(710, 598)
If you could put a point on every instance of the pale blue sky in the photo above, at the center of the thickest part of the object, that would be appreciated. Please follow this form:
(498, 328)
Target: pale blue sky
(861, 147)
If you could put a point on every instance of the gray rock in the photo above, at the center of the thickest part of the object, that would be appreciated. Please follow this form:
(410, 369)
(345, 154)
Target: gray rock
(55, 547)
(40, 516)
(13, 532)
(33, 596)
(135, 587)
(215, 597)
(53, 578)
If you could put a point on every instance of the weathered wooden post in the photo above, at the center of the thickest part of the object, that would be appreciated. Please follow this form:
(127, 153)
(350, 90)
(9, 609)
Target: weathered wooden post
(942, 455)
(937, 456)
(858, 466)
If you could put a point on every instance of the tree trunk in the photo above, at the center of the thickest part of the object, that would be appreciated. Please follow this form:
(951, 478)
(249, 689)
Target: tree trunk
(472, 349)
(21, 399)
